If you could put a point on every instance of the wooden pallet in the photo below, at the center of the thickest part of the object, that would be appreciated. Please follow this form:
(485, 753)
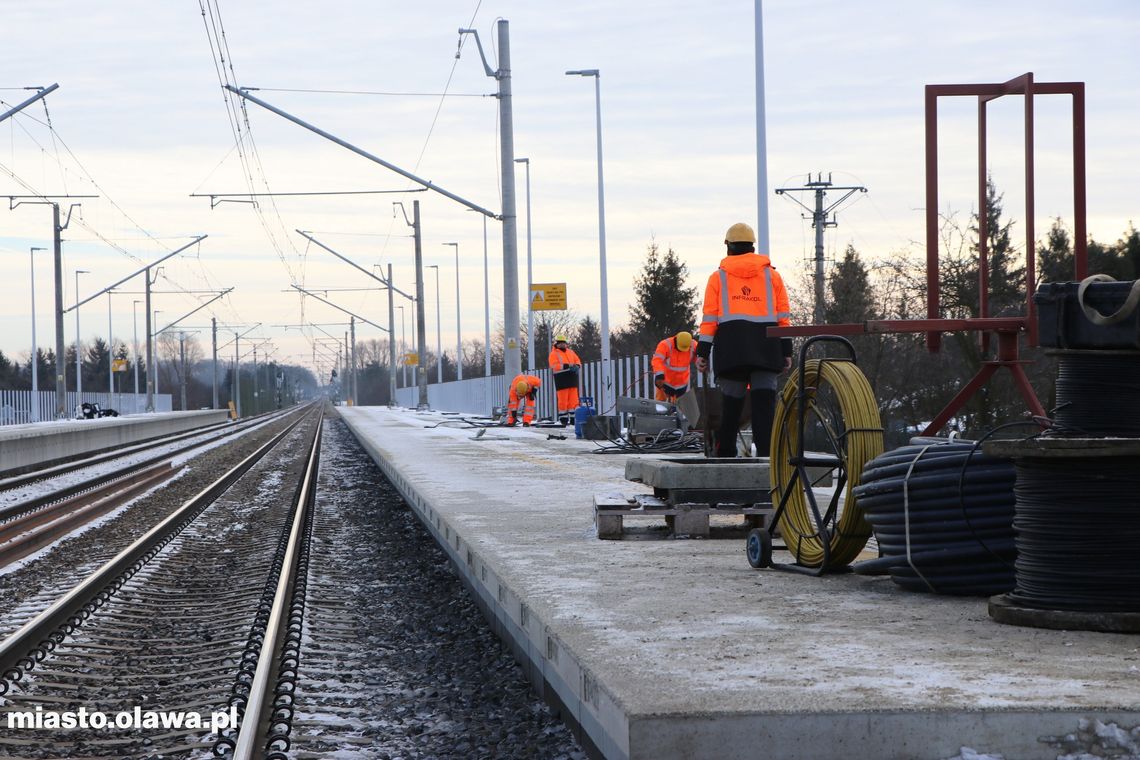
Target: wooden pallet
(687, 519)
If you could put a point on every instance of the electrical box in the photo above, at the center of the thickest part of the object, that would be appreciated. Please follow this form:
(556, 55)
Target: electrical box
(651, 425)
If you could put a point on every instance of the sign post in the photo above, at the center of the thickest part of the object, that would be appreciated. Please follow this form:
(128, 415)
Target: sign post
(119, 366)
(548, 296)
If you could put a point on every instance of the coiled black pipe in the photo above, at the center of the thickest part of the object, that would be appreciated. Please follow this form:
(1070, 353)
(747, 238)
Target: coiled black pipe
(1078, 527)
(952, 507)
(1098, 393)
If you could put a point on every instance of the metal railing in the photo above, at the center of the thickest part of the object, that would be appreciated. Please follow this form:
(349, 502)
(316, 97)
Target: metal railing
(16, 406)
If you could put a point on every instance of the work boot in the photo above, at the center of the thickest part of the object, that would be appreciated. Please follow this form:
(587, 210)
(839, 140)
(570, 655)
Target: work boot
(730, 409)
(763, 414)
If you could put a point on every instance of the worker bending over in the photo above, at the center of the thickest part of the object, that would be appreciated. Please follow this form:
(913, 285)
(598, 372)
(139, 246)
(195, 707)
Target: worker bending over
(744, 296)
(671, 363)
(565, 365)
(521, 401)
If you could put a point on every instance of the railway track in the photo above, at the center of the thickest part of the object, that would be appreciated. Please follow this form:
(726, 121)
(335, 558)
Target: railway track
(61, 476)
(173, 625)
(282, 620)
(45, 514)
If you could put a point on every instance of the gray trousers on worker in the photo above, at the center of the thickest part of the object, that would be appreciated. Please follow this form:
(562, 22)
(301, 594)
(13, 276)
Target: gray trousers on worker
(761, 385)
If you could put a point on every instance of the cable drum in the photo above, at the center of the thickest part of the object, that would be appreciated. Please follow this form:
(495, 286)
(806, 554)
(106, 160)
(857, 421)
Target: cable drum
(844, 413)
(942, 513)
(1078, 527)
(1098, 393)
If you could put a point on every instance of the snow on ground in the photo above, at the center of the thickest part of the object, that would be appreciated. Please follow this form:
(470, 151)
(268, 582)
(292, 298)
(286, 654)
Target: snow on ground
(209, 440)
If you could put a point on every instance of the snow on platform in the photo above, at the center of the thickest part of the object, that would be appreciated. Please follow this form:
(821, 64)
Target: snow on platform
(679, 649)
(31, 446)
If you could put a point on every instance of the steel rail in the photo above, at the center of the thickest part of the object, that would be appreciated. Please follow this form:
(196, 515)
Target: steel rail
(22, 536)
(32, 643)
(258, 716)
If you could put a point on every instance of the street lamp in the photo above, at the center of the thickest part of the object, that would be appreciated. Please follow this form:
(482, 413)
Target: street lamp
(486, 304)
(438, 329)
(110, 354)
(156, 363)
(458, 334)
(35, 353)
(403, 347)
(78, 352)
(603, 403)
(135, 340)
(529, 275)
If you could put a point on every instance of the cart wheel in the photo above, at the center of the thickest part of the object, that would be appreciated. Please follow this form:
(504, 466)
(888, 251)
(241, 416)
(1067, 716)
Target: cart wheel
(758, 547)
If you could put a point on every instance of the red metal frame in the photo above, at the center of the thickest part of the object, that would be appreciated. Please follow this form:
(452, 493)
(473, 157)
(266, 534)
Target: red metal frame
(1007, 329)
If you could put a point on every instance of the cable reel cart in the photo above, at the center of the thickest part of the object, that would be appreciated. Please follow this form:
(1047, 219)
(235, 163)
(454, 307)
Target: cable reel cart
(828, 404)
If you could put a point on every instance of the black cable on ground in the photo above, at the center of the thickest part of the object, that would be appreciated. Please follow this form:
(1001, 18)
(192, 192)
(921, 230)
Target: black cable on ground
(1077, 531)
(664, 442)
(943, 518)
(1098, 393)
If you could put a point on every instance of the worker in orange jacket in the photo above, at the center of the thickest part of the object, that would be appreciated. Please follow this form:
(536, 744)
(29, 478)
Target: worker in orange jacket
(565, 366)
(521, 401)
(671, 363)
(744, 296)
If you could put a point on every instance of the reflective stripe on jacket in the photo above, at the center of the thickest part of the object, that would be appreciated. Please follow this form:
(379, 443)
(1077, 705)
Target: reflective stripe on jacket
(743, 296)
(562, 359)
(673, 363)
(513, 398)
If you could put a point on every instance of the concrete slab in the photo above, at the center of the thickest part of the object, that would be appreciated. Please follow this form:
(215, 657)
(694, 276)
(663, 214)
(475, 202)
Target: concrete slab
(27, 447)
(698, 472)
(678, 649)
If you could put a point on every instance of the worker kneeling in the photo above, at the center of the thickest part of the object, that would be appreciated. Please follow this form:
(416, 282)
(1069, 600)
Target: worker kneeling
(521, 402)
(671, 363)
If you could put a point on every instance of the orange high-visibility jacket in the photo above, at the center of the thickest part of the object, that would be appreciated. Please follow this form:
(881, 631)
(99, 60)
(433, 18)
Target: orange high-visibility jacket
(562, 359)
(673, 364)
(743, 297)
(514, 400)
(564, 365)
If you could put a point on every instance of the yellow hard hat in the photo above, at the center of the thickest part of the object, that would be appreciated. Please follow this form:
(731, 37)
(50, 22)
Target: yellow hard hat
(522, 387)
(740, 233)
(560, 338)
(684, 340)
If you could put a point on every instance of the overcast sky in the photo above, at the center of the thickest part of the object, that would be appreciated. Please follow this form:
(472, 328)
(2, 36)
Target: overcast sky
(141, 121)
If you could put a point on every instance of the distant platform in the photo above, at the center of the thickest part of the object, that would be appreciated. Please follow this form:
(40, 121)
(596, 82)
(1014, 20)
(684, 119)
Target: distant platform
(28, 447)
(679, 649)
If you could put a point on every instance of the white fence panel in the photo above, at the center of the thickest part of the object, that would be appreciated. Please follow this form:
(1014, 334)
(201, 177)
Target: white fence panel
(16, 407)
(631, 376)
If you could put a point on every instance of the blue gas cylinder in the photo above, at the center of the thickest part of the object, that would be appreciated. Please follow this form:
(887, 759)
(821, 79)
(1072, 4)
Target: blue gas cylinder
(584, 412)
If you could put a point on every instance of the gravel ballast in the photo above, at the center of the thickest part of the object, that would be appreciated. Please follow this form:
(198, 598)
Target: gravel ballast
(397, 661)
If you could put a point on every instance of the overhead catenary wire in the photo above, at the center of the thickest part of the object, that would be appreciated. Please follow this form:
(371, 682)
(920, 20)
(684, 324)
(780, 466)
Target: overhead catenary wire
(80, 220)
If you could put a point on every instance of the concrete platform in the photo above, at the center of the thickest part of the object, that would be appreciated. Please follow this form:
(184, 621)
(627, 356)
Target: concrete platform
(679, 649)
(28, 447)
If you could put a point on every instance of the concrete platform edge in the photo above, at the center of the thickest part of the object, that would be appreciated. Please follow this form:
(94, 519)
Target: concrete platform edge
(28, 447)
(878, 735)
(599, 723)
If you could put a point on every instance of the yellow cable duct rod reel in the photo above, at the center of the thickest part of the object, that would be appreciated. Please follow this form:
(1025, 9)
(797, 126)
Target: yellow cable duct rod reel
(827, 419)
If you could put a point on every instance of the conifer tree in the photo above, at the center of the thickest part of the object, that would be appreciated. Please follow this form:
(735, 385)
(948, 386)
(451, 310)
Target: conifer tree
(663, 305)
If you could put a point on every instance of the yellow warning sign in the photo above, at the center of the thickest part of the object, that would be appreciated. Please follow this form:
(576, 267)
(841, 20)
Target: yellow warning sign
(548, 296)
(119, 365)
(411, 359)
